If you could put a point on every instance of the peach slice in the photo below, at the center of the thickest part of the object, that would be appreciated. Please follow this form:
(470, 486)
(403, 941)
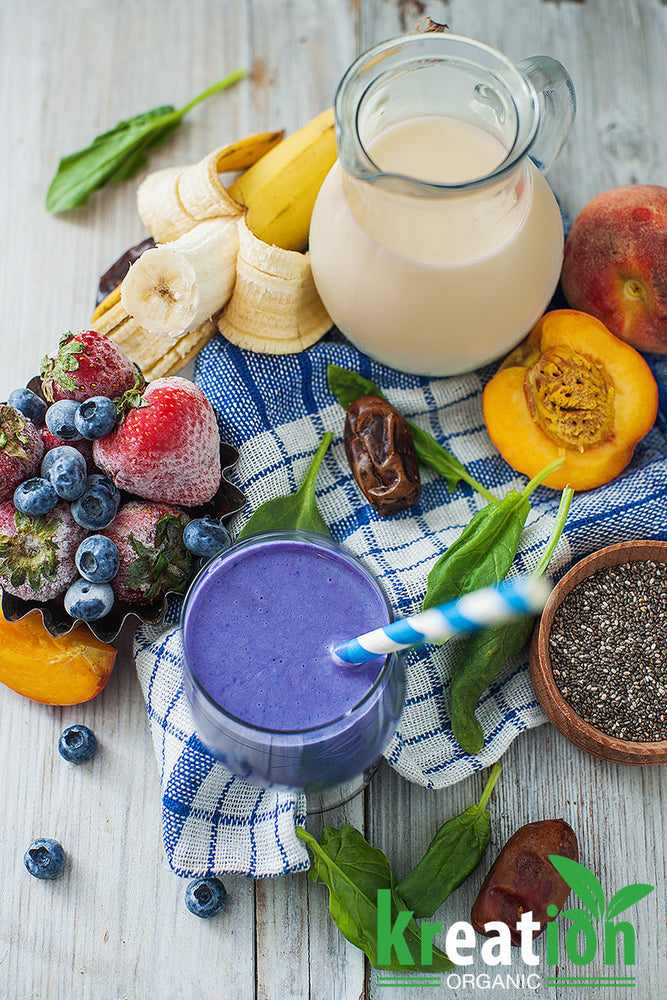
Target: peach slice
(66, 670)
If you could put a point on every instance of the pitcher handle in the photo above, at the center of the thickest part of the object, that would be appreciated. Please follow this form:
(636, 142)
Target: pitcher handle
(557, 103)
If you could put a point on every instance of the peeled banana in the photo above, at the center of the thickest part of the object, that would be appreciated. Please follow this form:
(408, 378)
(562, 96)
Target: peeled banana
(174, 287)
(275, 307)
(172, 201)
(280, 189)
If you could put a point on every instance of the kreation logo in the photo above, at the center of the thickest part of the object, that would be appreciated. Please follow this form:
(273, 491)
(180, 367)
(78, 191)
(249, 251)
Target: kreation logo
(590, 929)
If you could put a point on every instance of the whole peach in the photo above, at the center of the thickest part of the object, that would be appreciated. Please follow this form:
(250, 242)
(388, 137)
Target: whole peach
(615, 264)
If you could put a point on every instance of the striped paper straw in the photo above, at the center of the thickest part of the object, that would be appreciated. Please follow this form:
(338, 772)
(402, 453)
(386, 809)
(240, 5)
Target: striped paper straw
(510, 599)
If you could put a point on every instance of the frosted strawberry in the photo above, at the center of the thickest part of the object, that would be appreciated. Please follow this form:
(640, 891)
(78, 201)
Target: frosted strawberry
(88, 364)
(167, 449)
(21, 450)
(153, 558)
(37, 553)
(51, 441)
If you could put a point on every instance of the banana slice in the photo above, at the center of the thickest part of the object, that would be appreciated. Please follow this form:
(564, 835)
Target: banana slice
(172, 201)
(275, 307)
(174, 287)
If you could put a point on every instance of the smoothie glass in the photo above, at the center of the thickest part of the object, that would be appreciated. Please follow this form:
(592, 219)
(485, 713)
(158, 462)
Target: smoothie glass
(267, 698)
(435, 241)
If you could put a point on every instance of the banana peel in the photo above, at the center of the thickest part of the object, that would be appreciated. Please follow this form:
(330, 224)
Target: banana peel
(272, 304)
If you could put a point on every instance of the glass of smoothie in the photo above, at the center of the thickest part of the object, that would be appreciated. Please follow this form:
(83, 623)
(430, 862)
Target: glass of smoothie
(267, 696)
(436, 242)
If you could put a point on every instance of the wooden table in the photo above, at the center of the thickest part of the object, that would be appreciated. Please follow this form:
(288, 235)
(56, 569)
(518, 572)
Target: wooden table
(116, 927)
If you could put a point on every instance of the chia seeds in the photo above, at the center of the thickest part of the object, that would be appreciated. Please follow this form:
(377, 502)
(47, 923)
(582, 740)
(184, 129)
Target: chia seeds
(608, 650)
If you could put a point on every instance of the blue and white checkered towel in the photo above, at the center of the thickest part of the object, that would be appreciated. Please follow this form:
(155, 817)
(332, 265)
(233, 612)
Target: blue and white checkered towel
(275, 411)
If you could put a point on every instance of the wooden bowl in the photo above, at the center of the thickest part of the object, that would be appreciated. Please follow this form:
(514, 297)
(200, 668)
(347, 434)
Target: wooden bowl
(560, 713)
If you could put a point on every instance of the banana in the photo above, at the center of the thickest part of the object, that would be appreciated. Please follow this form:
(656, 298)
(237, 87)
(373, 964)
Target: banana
(275, 307)
(157, 356)
(172, 201)
(280, 189)
(175, 287)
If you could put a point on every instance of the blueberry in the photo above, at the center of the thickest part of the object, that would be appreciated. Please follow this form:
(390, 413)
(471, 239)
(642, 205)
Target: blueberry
(95, 418)
(35, 496)
(29, 403)
(44, 858)
(205, 896)
(77, 744)
(97, 559)
(88, 601)
(206, 537)
(60, 419)
(97, 479)
(95, 508)
(65, 468)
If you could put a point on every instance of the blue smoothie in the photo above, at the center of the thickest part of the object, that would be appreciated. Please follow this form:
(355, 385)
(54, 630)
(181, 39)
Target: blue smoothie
(267, 695)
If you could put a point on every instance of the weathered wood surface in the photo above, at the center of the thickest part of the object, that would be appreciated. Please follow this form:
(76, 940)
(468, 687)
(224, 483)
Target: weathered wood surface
(116, 927)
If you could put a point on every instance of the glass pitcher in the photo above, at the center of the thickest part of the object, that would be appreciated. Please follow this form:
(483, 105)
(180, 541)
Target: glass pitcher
(435, 242)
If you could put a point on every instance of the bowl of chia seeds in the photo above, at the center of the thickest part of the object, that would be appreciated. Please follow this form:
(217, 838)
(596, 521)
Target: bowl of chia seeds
(598, 657)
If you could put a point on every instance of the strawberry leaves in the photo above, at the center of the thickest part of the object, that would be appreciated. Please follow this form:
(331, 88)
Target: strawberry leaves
(58, 369)
(167, 565)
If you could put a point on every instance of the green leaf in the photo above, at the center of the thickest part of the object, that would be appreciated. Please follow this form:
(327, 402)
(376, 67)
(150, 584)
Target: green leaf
(353, 871)
(626, 898)
(483, 655)
(296, 512)
(347, 386)
(121, 152)
(582, 881)
(454, 853)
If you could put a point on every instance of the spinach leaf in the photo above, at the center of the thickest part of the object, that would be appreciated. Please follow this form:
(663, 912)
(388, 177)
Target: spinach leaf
(353, 871)
(296, 512)
(453, 854)
(120, 153)
(484, 551)
(347, 386)
(485, 653)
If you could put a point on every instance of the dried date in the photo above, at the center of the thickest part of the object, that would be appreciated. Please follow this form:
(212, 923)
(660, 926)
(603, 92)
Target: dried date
(381, 454)
(522, 879)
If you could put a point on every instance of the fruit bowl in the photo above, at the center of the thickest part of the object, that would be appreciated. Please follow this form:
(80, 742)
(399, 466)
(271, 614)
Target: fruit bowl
(227, 501)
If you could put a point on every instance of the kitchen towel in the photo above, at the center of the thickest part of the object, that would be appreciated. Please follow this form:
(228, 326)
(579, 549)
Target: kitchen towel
(275, 409)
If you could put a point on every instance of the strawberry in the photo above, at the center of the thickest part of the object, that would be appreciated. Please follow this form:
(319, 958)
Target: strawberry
(51, 441)
(166, 450)
(153, 558)
(88, 364)
(21, 450)
(37, 553)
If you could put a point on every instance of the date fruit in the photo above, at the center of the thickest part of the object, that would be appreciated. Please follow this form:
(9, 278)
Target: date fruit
(381, 454)
(522, 878)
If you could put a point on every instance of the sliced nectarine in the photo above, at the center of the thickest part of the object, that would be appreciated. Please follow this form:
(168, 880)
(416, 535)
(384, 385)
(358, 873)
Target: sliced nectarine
(56, 671)
(571, 390)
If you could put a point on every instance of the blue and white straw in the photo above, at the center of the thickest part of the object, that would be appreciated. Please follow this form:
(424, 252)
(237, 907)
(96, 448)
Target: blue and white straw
(510, 599)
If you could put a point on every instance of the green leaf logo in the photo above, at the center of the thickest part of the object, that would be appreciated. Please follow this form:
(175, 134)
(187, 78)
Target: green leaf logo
(625, 898)
(582, 882)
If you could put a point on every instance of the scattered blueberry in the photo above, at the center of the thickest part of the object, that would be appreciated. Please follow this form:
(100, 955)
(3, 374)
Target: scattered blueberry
(77, 744)
(29, 403)
(88, 601)
(60, 419)
(95, 508)
(44, 858)
(65, 468)
(35, 496)
(205, 896)
(95, 417)
(97, 559)
(204, 536)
